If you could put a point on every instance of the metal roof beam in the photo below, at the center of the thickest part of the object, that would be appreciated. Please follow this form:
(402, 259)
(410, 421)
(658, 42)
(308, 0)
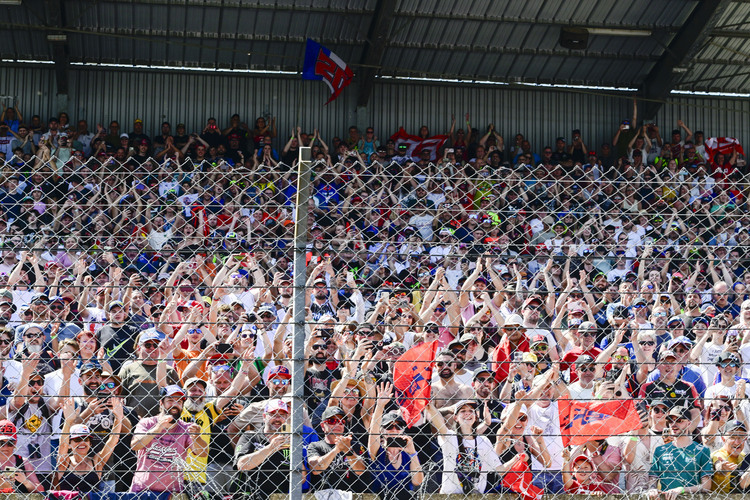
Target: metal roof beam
(691, 36)
(57, 39)
(375, 46)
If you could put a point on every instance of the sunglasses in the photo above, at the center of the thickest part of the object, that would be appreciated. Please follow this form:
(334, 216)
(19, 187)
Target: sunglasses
(8, 444)
(335, 421)
(585, 369)
(482, 380)
(732, 364)
(150, 345)
(539, 347)
(440, 309)
(4, 342)
(56, 307)
(351, 392)
(657, 409)
(33, 335)
(281, 381)
(647, 343)
(395, 427)
(194, 330)
(639, 306)
(319, 347)
(441, 364)
(587, 334)
(620, 357)
(79, 439)
(36, 382)
(107, 385)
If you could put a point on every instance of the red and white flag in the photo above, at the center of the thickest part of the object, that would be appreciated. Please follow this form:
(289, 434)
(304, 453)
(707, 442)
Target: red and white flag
(723, 145)
(416, 144)
(412, 376)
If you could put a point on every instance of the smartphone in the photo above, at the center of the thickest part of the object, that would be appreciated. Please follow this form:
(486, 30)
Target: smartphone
(517, 356)
(223, 348)
(395, 442)
(285, 428)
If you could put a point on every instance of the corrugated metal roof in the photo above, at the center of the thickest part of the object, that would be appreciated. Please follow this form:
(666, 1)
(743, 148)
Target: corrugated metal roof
(475, 39)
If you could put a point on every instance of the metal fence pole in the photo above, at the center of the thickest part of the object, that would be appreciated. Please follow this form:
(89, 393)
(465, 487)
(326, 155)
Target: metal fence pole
(298, 344)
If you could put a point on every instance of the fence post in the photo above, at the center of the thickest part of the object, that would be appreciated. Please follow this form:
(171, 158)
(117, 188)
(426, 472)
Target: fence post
(298, 343)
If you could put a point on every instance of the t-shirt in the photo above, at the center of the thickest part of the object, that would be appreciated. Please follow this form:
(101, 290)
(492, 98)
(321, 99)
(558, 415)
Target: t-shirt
(196, 466)
(271, 476)
(118, 343)
(676, 467)
(478, 460)
(338, 475)
(678, 394)
(161, 462)
(140, 389)
(318, 384)
(722, 481)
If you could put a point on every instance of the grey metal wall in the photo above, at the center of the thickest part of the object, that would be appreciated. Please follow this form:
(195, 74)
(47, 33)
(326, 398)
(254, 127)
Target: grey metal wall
(101, 94)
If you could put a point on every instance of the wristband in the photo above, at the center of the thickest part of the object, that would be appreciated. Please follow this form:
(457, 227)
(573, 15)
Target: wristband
(634, 439)
(412, 455)
(682, 489)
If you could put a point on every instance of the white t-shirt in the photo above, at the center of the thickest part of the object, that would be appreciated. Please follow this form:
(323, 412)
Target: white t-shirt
(579, 393)
(52, 385)
(481, 457)
(715, 391)
(551, 341)
(547, 419)
(707, 365)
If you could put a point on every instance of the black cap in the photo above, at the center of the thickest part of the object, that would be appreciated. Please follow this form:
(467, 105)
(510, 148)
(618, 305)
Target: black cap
(679, 412)
(657, 402)
(727, 356)
(584, 359)
(620, 312)
(332, 411)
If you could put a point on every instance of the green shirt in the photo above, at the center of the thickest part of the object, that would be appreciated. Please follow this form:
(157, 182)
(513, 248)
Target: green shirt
(675, 467)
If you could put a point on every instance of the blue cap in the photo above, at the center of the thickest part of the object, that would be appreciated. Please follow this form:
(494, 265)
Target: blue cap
(39, 296)
(171, 390)
(681, 340)
(151, 334)
(87, 367)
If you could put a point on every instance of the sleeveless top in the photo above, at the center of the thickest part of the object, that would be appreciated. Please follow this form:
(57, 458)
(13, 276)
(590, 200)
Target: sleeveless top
(74, 481)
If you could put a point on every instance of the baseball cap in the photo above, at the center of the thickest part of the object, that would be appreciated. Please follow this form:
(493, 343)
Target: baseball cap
(151, 334)
(667, 354)
(332, 411)
(115, 303)
(727, 356)
(79, 431)
(87, 367)
(657, 402)
(681, 340)
(538, 339)
(675, 319)
(7, 431)
(195, 380)
(587, 326)
(277, 371)
(531, 299)
(392, 417)
(56, 298)
(584, 359)
(479, 371)
(640, 301)
(172, 390)
(39, 296)
(734, 425)
(620, 312)
(464, 402)
(276, 405)
(679, 412)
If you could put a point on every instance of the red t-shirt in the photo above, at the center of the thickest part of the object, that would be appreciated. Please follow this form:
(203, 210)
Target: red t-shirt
(503, 356)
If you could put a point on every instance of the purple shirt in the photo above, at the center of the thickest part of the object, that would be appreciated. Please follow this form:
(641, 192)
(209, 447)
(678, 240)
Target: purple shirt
(161, 464)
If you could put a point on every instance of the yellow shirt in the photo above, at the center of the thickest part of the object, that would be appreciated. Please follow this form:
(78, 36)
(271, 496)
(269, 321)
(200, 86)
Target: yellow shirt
(721, 481)
(196, 466)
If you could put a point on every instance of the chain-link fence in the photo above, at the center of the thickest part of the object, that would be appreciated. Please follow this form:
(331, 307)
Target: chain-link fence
(470, 326)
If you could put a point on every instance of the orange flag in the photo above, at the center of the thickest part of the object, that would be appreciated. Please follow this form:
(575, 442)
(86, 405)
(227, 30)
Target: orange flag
(412, 374)
(581, 422)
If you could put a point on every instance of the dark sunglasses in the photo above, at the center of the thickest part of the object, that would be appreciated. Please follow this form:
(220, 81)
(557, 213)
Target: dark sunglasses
(647, 342)
(56, 307)
(150, 345)
(539, 347)
(585, 369)
(36, 382)
(319, 347)
(4, 342)
(441, 364)
(33, 335)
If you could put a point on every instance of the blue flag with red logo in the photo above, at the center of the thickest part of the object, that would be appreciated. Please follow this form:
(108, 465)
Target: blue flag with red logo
(322, 64)
(583, 421)
(412, 374)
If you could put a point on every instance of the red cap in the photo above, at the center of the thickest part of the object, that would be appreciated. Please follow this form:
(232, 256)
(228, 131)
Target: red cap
(7, 430)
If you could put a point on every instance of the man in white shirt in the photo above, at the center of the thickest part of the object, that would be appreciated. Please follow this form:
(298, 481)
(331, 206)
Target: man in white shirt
(583, 388)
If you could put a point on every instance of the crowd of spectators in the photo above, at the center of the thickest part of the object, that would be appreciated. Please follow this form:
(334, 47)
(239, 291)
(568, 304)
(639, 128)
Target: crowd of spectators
(146, 287)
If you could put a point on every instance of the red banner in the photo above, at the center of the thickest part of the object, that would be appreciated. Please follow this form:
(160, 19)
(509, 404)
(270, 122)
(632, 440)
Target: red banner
(519, 478)
(581, 422)
(417, 144)
(723, 145)
(412, 374)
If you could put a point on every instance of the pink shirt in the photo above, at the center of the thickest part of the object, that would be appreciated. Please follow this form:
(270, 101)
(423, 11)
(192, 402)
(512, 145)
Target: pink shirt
(161, 464)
